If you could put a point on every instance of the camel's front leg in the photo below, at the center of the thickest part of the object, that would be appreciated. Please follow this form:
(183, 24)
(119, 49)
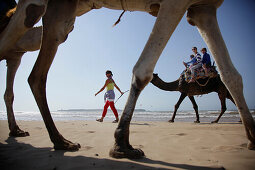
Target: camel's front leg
(12, 66)
(57, 24)
(192, 99)
(204, 17)
(177, 105)
(169, 15)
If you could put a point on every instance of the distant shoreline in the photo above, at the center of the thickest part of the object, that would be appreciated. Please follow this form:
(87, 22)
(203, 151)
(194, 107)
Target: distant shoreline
(144, 110)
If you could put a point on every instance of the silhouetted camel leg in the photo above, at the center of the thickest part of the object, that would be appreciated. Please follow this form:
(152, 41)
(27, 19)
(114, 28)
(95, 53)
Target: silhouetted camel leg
(223, 107)
(182, 97)
(195, 108)
(12, 66)
(204, 17)
(57, 24)
(230, 98)
(170, 14)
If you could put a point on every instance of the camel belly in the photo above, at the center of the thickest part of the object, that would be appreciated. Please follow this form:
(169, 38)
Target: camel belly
(128, 5)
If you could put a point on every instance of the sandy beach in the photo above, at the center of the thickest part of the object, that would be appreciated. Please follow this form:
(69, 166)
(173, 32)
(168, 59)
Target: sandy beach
(167, 146)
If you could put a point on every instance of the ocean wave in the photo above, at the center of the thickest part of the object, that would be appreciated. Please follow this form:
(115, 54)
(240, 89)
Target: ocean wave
(138, 115)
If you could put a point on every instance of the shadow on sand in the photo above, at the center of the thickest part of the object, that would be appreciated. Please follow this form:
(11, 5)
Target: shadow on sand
(15, 155)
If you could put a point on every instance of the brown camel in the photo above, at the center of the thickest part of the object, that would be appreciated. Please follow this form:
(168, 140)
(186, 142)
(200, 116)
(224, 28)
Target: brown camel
(58, 20)
(191, 89)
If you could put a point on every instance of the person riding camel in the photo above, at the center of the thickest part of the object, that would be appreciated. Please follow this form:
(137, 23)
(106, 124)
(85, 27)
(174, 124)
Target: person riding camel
(206, 61)
(195, 63)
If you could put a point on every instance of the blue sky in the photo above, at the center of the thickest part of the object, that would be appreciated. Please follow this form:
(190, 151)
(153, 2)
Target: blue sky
(94, 46)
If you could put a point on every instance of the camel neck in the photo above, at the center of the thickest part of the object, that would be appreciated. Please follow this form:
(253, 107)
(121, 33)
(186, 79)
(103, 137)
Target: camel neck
(167, 86)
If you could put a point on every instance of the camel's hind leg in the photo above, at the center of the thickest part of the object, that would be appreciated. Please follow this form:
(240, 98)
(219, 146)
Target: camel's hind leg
(204, 17)
(170, 13)
(12, 66)
(223, 106)
(57, 24)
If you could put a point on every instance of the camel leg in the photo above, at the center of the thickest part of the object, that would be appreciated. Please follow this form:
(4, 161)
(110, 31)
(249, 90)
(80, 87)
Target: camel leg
(223, 107)
(57, 24)
(204, 17)
(170, 13)
(195, 108)
(182, 97)
(12, 66)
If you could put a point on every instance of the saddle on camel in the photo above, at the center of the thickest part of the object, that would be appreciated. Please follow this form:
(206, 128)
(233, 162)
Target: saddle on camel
(200, 74)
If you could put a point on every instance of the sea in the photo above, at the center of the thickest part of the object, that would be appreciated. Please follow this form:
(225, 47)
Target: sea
(138, 115)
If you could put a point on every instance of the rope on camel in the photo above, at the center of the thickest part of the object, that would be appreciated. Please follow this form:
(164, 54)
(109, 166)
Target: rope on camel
(205, 82)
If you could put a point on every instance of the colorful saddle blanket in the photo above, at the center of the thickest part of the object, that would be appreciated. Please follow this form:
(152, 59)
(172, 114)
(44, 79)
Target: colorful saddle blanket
(199, 73)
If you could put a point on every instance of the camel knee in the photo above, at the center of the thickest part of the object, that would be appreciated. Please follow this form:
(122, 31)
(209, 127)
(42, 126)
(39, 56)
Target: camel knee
(201, 14)
(223, 109)
(8, 97)
(176, 107)
(195, 107)
(141, 78)
(63, 35)
(58, 32)
(36, 83)
(233, 81)
(59, 22)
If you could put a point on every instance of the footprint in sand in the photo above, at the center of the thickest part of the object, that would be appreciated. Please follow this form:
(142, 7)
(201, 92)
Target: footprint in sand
(139, 146)
(88, 147)
(181, 134)
(91, 131)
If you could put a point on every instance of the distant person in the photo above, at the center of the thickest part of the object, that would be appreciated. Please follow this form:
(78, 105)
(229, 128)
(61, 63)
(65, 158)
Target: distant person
(109, 96)
(192, 61)
(206, 61)
(196, 65)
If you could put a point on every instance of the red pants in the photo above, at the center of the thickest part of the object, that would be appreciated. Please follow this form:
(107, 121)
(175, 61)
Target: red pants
(107, 103)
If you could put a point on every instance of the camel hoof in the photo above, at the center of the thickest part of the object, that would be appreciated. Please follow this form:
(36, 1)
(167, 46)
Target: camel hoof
(67, 145)
(18, 133)
(251, 146)
(127, 153)
(214, 121)
(197, 121)
(171, 121)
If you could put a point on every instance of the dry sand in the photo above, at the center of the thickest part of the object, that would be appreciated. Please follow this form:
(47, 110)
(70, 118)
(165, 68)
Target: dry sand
(166, 146)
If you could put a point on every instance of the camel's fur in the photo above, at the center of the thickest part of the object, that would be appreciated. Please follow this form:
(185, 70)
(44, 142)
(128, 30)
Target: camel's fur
(58, 19)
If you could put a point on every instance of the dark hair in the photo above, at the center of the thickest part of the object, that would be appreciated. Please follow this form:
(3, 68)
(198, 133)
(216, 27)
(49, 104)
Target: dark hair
(194, 48)
(108, 72)
(192, 56)
(204, 49)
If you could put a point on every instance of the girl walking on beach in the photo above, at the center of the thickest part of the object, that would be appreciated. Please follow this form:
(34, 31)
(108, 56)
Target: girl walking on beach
(109, 96)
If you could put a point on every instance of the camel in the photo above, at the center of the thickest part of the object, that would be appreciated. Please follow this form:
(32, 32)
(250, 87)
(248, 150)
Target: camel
(191, 89)
(58, 18)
